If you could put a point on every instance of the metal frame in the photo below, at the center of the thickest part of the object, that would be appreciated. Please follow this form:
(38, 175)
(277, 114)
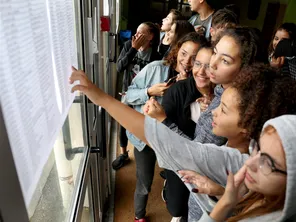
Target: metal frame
(78, 199)
(91, 12)
(94, 170)
(10, 202)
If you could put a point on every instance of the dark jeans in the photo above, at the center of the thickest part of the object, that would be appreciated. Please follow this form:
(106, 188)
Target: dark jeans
(122, 137)
(176, 195)
(145, 162)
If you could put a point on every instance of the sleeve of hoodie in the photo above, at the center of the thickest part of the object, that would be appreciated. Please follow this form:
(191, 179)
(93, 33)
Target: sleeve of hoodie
(175, 152)
(137, 91)
(126, 56)
(172, 126)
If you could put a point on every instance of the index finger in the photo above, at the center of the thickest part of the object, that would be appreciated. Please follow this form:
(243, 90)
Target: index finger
(230, 182)
(149, 102)
(185, 172)
(240, 175)
(77, 75)
(199, 99)
(163, 84)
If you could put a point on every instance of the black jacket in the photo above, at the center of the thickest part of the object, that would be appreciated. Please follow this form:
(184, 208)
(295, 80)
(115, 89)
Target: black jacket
(126, 62)
(176, 103)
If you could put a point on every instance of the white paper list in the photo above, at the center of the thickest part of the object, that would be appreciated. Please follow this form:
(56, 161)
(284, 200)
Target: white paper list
(34, 71)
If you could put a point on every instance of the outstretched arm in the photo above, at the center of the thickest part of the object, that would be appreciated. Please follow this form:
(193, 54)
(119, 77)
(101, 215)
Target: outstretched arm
(126, 116)
(205, 158)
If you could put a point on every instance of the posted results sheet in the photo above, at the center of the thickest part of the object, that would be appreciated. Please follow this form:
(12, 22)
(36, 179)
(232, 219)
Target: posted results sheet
(37, 42)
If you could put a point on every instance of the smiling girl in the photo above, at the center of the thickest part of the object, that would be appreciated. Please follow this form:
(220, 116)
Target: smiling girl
(179, 103)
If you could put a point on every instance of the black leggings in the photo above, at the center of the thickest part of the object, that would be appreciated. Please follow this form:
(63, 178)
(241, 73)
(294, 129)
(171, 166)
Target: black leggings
(176, 195)
(122, 137)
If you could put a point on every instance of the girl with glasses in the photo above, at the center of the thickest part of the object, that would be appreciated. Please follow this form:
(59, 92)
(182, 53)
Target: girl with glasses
(265, 187)
(179, 104)
(265, 161)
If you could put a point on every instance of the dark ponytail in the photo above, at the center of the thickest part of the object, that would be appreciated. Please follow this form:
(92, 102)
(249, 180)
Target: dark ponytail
(154, 30)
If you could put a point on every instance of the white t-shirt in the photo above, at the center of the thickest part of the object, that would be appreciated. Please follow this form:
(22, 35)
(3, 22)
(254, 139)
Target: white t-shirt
(195, 111)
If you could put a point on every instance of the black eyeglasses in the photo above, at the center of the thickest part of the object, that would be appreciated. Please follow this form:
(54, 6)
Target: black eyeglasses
(266, 163)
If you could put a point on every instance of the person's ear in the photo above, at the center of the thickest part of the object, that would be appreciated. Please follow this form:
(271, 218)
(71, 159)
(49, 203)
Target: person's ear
(212, 31)
(244, 132)
(150, 37)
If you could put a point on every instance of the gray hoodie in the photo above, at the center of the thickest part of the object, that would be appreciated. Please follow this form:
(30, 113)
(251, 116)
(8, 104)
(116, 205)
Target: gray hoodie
(212, 160)
(180, 153)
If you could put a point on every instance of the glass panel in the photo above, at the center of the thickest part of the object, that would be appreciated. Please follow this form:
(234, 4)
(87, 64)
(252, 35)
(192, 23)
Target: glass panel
(87, 211)
(57, 185)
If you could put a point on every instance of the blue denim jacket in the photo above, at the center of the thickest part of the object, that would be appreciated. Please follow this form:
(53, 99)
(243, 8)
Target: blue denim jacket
(136, 95)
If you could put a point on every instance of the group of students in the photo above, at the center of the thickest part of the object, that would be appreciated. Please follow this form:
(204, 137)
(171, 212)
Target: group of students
(197, 99)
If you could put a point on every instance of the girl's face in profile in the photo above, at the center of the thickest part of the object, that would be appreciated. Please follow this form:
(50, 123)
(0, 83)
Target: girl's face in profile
(226, 116)
(172, 32)
(225, 62)
(279, 35)
(167, 23)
